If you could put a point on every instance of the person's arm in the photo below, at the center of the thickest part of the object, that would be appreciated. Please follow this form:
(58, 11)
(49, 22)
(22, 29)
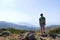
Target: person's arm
(39, 21)
(45, 20)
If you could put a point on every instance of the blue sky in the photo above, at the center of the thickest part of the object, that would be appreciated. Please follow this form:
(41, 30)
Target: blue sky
(29, 11)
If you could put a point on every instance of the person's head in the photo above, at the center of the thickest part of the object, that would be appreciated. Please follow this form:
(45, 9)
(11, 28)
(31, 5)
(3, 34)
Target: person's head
(41, 14)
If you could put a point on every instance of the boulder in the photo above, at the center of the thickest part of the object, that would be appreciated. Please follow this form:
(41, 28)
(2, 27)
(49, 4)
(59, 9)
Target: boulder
(30, 36)
(5, 33)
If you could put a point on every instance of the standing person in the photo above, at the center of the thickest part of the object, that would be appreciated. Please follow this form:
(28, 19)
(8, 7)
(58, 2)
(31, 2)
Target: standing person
(42, 23)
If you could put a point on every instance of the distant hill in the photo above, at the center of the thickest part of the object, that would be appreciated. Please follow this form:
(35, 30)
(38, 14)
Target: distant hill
(55, 31)
(4, 24)
(52, 27)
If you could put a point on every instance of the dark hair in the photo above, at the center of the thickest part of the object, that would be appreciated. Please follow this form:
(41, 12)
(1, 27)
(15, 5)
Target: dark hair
(41, 14)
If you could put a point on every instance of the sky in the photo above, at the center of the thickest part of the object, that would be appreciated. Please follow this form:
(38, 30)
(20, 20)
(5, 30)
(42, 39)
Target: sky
(28, 11)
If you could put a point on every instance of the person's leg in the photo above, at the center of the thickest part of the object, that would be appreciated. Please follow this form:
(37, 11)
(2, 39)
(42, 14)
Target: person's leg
(43, 29)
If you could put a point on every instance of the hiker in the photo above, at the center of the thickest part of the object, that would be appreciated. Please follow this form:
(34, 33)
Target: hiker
(42, 23)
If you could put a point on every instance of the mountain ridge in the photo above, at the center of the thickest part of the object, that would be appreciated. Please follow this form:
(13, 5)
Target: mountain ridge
(4, 24)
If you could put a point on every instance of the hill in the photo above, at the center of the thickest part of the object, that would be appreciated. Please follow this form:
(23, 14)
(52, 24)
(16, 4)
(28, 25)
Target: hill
(53, 29)
(13, 31)
(4, 24)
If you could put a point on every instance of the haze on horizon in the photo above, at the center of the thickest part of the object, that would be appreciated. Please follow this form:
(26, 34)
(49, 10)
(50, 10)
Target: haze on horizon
(28, 11)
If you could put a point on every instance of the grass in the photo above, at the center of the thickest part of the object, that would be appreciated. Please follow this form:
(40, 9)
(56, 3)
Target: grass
(55, 31)
(13, 31)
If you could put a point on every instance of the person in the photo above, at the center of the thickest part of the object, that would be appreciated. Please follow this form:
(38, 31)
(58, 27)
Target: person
(42, 23)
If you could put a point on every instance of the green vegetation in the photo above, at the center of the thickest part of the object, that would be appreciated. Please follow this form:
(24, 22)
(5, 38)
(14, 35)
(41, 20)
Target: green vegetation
(55, 31)
(14, 31)
(17, 31)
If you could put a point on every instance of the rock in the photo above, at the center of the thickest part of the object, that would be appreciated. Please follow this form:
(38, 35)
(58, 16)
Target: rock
(5, 33)
(30, 36)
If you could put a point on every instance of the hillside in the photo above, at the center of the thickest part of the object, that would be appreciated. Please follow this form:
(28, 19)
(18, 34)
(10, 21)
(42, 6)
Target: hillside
(13, 31)
(53, 29)
(4, 24)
